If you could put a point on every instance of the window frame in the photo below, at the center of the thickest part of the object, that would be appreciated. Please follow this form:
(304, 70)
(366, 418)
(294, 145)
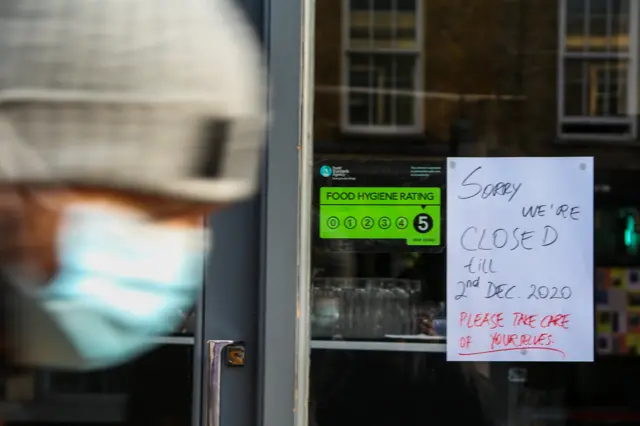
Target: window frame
(345, 52)
(631, 56)
(594, 94)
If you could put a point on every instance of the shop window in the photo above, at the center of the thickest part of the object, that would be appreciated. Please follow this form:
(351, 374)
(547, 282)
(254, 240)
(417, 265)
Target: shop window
(598, 69)
(382, 66)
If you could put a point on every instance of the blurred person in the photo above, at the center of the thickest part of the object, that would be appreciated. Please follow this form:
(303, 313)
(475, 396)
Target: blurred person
(123, 123)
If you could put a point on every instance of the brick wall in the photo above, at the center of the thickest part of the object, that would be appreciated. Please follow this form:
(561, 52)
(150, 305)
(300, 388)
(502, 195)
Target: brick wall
(491, 62)
(328, 58)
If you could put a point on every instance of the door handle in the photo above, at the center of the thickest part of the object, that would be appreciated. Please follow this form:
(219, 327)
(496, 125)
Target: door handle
(218, 350)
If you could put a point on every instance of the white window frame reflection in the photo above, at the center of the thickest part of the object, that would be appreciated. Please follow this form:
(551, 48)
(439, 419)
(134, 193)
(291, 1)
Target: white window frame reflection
(593, 60)
(598, 72)
(415, 51)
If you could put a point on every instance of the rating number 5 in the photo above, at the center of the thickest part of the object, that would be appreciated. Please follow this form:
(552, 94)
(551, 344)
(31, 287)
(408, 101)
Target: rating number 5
(423, 223)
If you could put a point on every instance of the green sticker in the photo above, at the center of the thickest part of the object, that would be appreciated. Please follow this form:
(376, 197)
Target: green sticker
(410, 214)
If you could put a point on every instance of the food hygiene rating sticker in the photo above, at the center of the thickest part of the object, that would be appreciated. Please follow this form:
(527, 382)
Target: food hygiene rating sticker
(410, 214)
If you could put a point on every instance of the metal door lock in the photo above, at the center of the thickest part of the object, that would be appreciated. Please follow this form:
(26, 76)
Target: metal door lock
(235, 354)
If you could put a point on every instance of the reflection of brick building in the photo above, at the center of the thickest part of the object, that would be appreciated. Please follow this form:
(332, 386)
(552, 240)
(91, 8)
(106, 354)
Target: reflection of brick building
(390, 70)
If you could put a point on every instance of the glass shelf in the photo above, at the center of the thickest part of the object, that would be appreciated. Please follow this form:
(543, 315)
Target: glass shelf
(174, 340)
(378, 346)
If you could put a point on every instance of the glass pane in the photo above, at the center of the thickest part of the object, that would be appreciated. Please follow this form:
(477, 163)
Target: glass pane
(375, 81)
(389, 68)
(596, 88)
(405, 30)
(360, 29)
(382, 24)
(383, 5)
(598, 7)
(620, 24)
(602, 26)
(576, 25)
(609, 27)
(405, 110)
(607, 83)
(485, 81)
(360, 4)
(361, 71)
(599, 18)
(383, 109)
(575, 7)
(575, 88)
(404, 76)
(360, 108)
(362, 77)
(406, 5)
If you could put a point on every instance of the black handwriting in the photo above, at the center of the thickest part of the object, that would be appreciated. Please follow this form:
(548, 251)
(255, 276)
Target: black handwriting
(491, 189)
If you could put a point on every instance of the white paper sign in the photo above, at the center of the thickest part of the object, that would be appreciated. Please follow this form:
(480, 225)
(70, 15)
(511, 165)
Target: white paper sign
(520, 259)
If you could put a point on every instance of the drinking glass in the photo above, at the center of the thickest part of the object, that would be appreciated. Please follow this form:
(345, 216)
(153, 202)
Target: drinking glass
(360, 309)
(403, 290)
(345, 290)
(415, 290)
(326, 308)
(376, 298)
(440, 320)
(396, 306)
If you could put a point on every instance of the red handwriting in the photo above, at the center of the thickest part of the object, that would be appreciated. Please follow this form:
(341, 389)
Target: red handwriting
(558, 320)
(535, 331)
(548, 321)
(504, 340)
(528, 348)
(485, 319)
(525, 320)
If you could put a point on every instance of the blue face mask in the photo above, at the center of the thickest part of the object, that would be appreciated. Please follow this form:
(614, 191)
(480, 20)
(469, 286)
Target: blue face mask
(121, 281)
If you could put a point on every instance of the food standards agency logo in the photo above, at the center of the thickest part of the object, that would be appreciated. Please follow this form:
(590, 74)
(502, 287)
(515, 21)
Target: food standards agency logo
(326, 171)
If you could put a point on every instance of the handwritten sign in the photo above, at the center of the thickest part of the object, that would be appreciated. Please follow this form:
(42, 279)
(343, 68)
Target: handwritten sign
(520, 259)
